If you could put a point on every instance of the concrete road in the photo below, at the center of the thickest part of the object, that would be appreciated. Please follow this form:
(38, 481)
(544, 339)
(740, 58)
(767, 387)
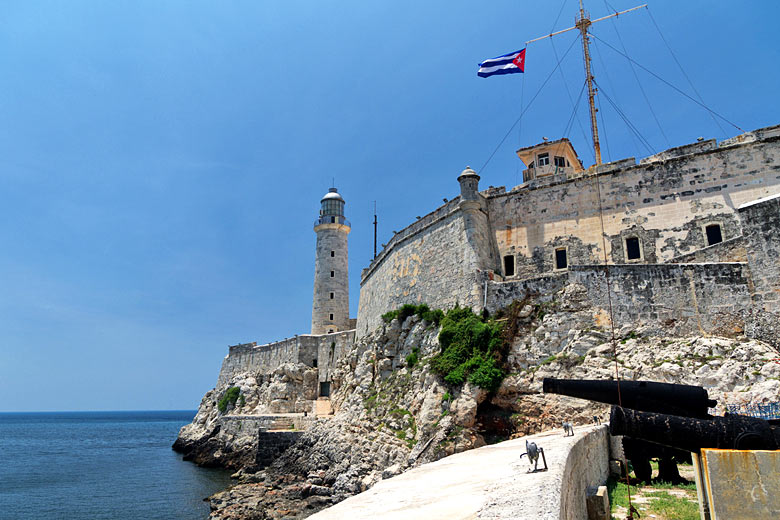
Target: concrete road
(489, 482)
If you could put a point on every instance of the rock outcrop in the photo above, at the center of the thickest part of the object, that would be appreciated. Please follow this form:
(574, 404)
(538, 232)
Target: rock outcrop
(392, 412)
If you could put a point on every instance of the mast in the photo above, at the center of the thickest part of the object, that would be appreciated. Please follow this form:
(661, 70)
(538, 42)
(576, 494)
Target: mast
(582, 24)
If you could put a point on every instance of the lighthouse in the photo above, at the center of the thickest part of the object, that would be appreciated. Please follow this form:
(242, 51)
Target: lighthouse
(330, 308)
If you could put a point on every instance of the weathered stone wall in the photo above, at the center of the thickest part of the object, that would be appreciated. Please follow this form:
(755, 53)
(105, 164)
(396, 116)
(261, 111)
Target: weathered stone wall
(311, 350)
(586, 465)
(732, 250)
(272, 444)
(501, 294)
(330, 349)
(665, 202)
(429, 262)
(683, 298)
(761, 228)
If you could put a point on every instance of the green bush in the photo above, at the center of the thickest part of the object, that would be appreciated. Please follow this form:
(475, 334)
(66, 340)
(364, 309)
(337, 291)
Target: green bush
(412, 358)
(230, 397)
(471, 350)
(422, 310)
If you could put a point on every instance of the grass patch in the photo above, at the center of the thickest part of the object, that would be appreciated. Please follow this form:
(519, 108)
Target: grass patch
(230, 397)
(471, 350)
(662, 504)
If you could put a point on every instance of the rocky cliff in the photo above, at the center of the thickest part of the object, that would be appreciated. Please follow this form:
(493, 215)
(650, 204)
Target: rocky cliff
(392, 412)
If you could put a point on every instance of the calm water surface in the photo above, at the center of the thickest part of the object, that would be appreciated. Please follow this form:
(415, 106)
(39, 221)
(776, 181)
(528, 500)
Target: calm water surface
(95, 465)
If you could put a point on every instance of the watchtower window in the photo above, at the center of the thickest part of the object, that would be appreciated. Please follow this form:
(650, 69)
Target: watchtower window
(332, 274)
(560, 162)
(331, 317)
(633, 250)
(332, 295)
(714, 235)
(561, 262)
(543, 159)
(324, 389)
(332, 254)
(509, 265)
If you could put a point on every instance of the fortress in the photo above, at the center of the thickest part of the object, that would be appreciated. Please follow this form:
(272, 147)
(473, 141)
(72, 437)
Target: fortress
(690, 235)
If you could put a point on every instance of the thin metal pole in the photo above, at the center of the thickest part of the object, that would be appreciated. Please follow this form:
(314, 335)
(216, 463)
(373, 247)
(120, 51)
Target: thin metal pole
(582, 24)
(374, 229)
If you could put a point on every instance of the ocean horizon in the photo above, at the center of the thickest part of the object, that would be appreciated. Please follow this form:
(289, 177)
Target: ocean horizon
(100, 464)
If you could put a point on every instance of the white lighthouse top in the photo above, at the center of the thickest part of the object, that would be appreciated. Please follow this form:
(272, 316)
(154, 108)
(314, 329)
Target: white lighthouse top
(332, 194)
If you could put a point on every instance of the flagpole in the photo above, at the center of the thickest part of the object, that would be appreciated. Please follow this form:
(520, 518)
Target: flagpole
(582, 24)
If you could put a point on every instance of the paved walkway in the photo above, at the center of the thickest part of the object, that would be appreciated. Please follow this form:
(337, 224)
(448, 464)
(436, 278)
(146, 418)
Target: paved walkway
(489, 482)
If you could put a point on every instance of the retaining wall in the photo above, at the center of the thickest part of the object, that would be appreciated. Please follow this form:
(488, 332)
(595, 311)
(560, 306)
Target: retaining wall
(683, 298)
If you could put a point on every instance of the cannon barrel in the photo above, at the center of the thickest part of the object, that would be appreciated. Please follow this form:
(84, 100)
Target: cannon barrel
(647, 396)
(736, 432)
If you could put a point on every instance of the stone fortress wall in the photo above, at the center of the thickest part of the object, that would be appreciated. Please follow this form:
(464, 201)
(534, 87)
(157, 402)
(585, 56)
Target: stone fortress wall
(312, 350)
(458, 252)
(665, 202)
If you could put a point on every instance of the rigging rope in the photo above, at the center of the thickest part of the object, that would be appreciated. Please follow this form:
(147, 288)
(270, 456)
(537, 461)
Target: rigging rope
(705, 107)
(597, 52)
(527, 107)
(625, 119)
(681, 68)
(636, 77)
(563, 78)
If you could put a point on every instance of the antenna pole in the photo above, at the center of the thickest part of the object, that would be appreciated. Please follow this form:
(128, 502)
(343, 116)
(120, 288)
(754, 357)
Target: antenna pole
(582, 24)
(374, 229)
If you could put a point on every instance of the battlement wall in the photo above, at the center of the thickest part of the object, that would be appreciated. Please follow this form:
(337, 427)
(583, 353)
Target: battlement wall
(264, 359)
(665, 201)
(430, 262)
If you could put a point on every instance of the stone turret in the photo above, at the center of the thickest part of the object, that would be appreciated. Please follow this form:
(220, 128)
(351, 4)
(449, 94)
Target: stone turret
(330, 308)
(480, 252)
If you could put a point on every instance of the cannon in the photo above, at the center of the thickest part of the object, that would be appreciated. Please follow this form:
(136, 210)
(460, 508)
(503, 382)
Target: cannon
(647, 396)
(736, 432)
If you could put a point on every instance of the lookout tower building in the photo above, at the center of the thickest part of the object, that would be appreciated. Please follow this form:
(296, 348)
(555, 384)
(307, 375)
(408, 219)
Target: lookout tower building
(548, 158)
(330, 308)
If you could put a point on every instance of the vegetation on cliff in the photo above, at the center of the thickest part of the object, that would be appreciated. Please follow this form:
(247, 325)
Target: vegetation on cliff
(230, 398)
(471, 348)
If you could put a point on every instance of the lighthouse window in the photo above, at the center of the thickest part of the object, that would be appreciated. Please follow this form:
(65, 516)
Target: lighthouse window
(714, 235)
(332, 254)
(332, 274)
(331, 317)
(633, 249)
(331, 296)
(509, 265)
(543, 159)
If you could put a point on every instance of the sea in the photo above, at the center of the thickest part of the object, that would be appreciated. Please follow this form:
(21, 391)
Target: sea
(100, 465)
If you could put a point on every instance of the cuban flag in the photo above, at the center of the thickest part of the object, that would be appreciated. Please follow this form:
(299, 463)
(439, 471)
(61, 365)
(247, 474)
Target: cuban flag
(512, 63)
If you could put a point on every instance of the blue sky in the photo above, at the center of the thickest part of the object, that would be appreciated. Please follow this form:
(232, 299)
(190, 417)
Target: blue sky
(162, 162)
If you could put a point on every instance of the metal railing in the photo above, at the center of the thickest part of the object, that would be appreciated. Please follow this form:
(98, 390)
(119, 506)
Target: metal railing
(761, 411)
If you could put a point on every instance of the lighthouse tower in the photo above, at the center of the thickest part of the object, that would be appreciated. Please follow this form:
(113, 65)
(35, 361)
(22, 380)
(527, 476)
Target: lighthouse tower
(330, 309)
